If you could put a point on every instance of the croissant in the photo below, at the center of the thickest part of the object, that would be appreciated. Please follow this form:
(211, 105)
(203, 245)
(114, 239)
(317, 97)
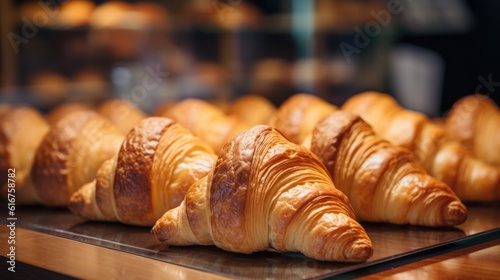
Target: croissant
(252, 109)
(155, 166)
(474, 121)
(61, 111)
(122, 114)
(368, 164)
(298, 115)
(206, 121)
(470, 178)
(383, 182)
(266, 193)
(22, 128)
(70, 154)
(163, 108)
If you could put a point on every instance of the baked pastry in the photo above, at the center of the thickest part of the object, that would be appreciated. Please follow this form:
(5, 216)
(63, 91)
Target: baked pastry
(383, 182)
(122, 114)
(163, 108)
(252, 109)
(157, 163)
(474, 121)
(365, 167)
(61, 111)
(75, 13)
(70, 154)
(22, 129)
(298, 115)
(470, 178)
(206, 121)
(266, 193)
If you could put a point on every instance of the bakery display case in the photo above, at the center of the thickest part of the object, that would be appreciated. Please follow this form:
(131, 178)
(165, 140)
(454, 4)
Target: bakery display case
(223, 49)
(249, 139)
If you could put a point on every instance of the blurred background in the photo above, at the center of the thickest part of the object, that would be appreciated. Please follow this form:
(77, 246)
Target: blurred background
(427, 53)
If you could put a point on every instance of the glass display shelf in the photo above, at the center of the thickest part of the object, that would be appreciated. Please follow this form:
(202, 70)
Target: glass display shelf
(393, 245)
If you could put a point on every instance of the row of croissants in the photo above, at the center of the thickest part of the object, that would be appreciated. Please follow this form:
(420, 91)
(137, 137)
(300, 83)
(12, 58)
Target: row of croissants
(250, 176)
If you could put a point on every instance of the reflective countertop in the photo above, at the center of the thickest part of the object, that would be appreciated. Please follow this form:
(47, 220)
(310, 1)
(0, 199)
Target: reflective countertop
(393, 244)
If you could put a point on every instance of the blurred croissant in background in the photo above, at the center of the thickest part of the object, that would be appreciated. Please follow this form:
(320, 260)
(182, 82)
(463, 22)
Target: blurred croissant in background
(470, 178)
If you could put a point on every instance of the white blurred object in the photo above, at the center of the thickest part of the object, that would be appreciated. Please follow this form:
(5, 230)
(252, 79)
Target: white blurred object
(308, 73)
(437, 16)
(417, 78)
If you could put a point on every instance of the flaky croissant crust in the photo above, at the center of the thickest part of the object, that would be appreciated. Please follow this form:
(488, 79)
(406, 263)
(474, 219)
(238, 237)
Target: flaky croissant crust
(471, 179)
(164, 167)
(383, 182)
(266, 193)
(155, 166)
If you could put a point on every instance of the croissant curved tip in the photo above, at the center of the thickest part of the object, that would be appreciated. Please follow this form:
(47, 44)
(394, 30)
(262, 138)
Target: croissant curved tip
(77, 204)
(455, 213)
(359, 251)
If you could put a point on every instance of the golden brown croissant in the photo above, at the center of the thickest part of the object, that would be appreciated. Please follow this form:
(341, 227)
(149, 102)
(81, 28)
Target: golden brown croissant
(22, 129)
(470, 178)
(383, 182)
(158, 161)
(367, 157)
(70, 154)
(206, 121)
(266, 193)
(252, 109)
(163, 108)
(61, 111)
(298, 115)
(474, 121)
(123, 114)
